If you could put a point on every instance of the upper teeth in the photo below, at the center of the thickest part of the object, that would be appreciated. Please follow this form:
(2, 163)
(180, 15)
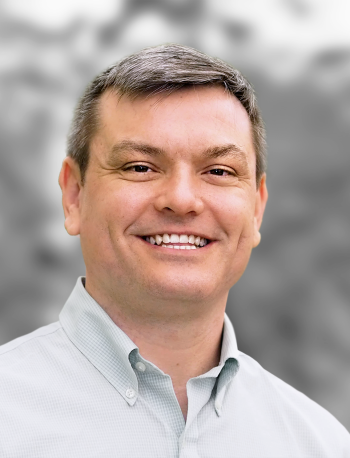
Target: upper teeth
(175, 238)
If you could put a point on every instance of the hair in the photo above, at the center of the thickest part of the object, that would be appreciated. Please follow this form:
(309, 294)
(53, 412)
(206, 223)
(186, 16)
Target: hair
(162, 69)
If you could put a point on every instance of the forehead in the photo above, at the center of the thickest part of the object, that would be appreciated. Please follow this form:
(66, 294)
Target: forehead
(194, 118)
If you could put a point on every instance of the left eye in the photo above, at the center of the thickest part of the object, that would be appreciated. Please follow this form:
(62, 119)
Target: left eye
(219, 172)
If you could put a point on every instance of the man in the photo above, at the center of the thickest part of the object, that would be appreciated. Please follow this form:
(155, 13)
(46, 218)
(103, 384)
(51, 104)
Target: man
(165, 183)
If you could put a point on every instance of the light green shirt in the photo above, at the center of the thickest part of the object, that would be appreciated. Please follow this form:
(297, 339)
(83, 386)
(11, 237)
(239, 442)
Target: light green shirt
(80, 388)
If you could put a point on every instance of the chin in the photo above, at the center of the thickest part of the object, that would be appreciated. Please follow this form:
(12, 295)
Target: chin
(183, 290)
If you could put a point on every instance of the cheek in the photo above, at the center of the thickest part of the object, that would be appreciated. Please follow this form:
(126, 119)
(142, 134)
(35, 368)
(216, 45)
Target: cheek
(109, 211)
(236, 215)
(238, 223)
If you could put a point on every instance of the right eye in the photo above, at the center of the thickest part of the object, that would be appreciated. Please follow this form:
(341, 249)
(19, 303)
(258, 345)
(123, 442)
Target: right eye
(137, 168)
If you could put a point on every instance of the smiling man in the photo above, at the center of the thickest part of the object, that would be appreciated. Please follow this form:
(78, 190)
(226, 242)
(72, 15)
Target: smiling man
(165, 183)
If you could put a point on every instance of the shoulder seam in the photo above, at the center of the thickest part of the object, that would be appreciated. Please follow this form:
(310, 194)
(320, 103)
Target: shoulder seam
(30, 337)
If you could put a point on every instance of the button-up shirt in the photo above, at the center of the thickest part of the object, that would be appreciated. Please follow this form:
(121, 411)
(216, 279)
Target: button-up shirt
(80, 388)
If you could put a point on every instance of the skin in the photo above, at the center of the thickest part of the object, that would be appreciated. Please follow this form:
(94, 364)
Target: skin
(171, 303)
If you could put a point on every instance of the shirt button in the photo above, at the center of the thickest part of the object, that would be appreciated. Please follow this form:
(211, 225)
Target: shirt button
(130, 393)
(140, 366)
(218, 406)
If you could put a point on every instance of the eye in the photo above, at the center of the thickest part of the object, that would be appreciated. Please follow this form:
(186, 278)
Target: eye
(137, 168)
(220, 172)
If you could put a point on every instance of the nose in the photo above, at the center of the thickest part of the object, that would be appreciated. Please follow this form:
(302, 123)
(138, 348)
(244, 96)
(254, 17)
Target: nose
(180, 193)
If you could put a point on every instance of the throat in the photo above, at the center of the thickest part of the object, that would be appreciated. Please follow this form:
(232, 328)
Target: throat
(181, 395)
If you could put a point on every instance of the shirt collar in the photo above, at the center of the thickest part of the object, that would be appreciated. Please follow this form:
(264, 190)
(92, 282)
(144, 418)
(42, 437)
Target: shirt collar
(108, 348)
(229, 360)
(103, 343)
(229, 343)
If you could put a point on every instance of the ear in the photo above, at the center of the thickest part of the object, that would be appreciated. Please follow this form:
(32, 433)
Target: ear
(260, 204)
(70, 183)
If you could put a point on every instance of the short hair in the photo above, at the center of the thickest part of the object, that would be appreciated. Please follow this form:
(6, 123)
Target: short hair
(162, 69)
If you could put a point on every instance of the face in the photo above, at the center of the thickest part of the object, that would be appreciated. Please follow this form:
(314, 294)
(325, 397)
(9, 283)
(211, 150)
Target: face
(177, 164)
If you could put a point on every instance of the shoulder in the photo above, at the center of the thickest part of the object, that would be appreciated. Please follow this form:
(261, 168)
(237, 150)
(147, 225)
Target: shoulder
(35, 339)
(291, 407)
(29, 339)
(255, 375)
(35, 370)
(31, 351)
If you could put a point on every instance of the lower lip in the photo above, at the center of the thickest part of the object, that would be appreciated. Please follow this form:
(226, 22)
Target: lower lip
(175, 250)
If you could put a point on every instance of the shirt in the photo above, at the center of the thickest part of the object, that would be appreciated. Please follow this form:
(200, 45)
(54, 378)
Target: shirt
(80, 388)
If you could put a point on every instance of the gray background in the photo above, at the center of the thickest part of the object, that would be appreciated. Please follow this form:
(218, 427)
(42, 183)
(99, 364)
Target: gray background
(291, 308)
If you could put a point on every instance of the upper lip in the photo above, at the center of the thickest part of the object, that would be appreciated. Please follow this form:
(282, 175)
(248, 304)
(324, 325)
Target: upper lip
(169, 232)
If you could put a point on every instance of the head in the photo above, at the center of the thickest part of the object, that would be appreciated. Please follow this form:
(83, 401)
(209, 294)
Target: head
(162, 70)
(168, 141)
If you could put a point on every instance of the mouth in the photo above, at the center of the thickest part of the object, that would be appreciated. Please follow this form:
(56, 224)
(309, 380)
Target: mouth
(177, 241)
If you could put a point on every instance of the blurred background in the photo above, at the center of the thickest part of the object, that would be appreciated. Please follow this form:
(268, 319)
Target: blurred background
(291, 309)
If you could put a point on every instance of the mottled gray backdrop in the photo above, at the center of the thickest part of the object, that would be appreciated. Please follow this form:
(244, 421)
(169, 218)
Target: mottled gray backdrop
(291, 308)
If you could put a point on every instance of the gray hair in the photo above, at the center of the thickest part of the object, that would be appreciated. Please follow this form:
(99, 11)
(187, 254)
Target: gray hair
(156, 70)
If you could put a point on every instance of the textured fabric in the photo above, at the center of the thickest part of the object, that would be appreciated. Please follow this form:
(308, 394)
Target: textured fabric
(80, 388)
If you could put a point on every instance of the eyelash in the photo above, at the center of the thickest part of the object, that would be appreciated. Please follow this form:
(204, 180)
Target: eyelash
(146, 166)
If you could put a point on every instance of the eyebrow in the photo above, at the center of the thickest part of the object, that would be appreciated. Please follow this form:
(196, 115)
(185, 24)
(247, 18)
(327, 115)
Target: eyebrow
(229, 150)
(126, 146)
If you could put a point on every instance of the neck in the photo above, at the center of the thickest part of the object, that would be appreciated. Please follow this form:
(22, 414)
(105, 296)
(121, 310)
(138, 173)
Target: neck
(181, 352)
(183, 343)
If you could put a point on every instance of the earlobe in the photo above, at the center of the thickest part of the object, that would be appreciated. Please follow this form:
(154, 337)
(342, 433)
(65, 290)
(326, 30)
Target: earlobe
(70, 183)
(257, 238)
(260, 204)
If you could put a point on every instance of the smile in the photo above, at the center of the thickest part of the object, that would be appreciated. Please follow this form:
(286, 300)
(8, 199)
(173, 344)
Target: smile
(177, 241)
